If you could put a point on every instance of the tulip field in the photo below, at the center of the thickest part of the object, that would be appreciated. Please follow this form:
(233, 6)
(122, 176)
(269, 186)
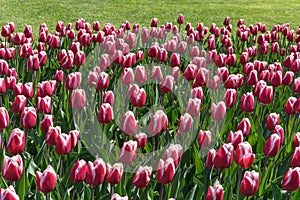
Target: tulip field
(164, 111)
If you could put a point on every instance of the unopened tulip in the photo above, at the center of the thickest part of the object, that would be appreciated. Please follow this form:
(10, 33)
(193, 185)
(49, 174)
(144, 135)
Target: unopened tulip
(252, 77)
(272, 145)
(185, 124)
(103, 81)
(289, 106)
(214, 82)
(175, 60)
(273, 119)
(114, 173)
(291, 180)
(244, 156)
(175, 152)
(52, 134)
(105, 114)
(9, 193)
(78, 171)
(4, 118)
(175, 73)
(197, 92)
(288, 78)
(218, 111)
(12, 168)
(46, 181)
(128, 152)
(215, 192)
(250, 183)
(295, 161)
(224, 156)
(158, 123)
(165, 171)
(244, 126)
(78, 99)
(73, 80)
(141, 140)
(63, 144)
(109, 97)
(296, 85)
(204, 138)
(229, 98)
(190, 72)
(235, 138)
(194, 107)
(28, 118)
(44, 104)
(46, 122)
(28, 90)
(142, 177)
(138, 98)
(129, 124)
(247, 102)
(127, 76)
(166, 85)
(16, 142)
(156, 73)
(234, 81)
(115, 196)
(96, 172)
(180, 19)
(140, 74)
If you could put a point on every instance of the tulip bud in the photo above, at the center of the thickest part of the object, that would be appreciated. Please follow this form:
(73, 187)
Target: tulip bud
(197, 92)
(272, 145)
(9, 193)
(165, 171)
(180, 19)
(202, 77)
(244, 156)
(73, 80)
(291, 180)
(28, 118)
(52, 134)
(204, 138)
(175, 60)
(229, 98)
(63, 144)
(166, 85)
(296, 142)
(252, 78)
(59, 74)
(44, 104)
(215, 192)
(218, 111)
(108, 97)
(235, 138)
(46, 181)
(156, 73)
(129, 124)
(174, 151)
(194, 106)
(138, 98)
(78, 171)
(158, 123)
(272, 120)
(247, 102)
(244, 126)
(78, 99)
(46, 123)
(289, 106)
(127, 76)
(190, 72)
(28, 90)
(250, 183)
(234, 81)
(154, 22)
(118, 197)
(96, 172)
(2, 86)
(128, 152)
(16, 142)
(140, 74)
(114, 173)
(141, 140)
(224, 156)
(103, 80)
(12, 168)
(142, 177)
(105, 114)
(185, 124)
(295, 161)
(296, 85)
(210, 158)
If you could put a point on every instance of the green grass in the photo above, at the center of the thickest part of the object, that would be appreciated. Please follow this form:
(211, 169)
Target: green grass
(35, 12)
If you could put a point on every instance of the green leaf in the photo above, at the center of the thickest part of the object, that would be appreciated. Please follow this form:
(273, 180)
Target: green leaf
(191, 194)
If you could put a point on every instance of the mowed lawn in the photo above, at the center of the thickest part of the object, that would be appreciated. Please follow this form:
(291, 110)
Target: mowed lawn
(35, 12)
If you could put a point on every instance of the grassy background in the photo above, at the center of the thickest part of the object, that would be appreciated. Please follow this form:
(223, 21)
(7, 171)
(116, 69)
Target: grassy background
(35, 12)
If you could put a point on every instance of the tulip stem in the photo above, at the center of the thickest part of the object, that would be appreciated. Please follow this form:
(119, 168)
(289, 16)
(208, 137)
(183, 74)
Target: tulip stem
(93, 192)
(287, 194)
(60, 165)
(161, 192)
(47, 196)
(239, 181)
(111, 190)
(136, 194)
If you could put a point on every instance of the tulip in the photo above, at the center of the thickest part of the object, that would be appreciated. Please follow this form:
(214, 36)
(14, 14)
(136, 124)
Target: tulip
(156, 73)
(296, 85)
(223, 72)
(138, 98)
(185, 124)
(202, 77)
(272, 120)
(158, 123)
(194, 107)
(114, 173)
(12, 168)
(52, 134)
(16, 142)
(194, 52)
(180, 19)
(272, 145)
(154, 22)
(73, 80)
(252, 78)
(105, 114)
(78, 99)
(33, 62)
(218, 111)
(128, 152)
(175, 152)
(214, 82)
(28, 118)
(276, 78)
(166, 85)
(103, 80)
(141, 140)
(295, 161)
(244, 156)
(63, 144)
(127, 76)
(140, 74)
(2, 86)
(9, 194)
(129, 124)
(210, 158)
(235, 138)
(224, 156)
(162, 55)
(244, 126)
(44, 104)
(175, 60)
(204, 138)
(108, 97)
(142, 177)
(153, 51)
(291, 180)
(46, 123)
(296, 142)
(118, 197)
(75, 135)
(96, 172)
(190, 72)
(289, 106)
(229, 98)
(132, 89)
(78, 171)
(165, 171)
(234, 81)
(288, 78)
(247, 102)
(215, 192)
(4, 118)
(197, 92)
(250, 183)
(28, 90)
(265, 75)
(46, 181)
